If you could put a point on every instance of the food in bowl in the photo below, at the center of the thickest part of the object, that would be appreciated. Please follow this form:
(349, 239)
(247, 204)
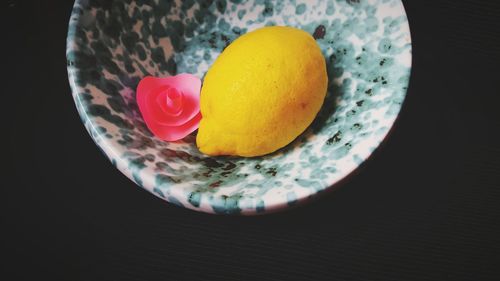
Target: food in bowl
(262, 92)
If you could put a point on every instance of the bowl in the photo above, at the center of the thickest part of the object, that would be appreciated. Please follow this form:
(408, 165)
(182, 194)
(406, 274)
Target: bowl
(112, 45)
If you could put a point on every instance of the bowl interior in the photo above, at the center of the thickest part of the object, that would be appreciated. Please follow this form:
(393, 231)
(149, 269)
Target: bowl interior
(113, 44)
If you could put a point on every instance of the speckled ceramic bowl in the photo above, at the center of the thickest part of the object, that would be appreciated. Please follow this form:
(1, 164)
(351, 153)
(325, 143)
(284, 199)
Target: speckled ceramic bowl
(113, 44)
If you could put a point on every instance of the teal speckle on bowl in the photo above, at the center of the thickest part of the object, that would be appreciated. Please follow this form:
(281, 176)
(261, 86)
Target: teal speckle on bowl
(111, 45)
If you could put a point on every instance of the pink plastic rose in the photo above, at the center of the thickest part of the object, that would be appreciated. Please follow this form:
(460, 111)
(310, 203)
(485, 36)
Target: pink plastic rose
(170, 106)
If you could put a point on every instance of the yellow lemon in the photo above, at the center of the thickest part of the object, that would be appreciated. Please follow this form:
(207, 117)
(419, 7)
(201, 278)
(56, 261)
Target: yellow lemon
(262, 92)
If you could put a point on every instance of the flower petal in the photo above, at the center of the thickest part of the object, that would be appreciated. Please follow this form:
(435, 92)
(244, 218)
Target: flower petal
(173, 133)
(170, 127)
(188, 84)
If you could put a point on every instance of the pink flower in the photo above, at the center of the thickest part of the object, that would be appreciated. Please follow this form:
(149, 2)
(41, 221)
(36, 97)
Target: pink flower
(170, 106)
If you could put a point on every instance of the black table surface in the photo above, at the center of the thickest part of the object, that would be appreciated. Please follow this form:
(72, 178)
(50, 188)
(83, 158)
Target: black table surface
(424, 207)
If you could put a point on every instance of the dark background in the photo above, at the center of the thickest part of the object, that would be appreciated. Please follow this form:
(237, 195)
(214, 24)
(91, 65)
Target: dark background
(426, 206)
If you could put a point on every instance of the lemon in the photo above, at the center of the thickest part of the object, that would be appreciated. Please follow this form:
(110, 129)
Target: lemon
(262, 92)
